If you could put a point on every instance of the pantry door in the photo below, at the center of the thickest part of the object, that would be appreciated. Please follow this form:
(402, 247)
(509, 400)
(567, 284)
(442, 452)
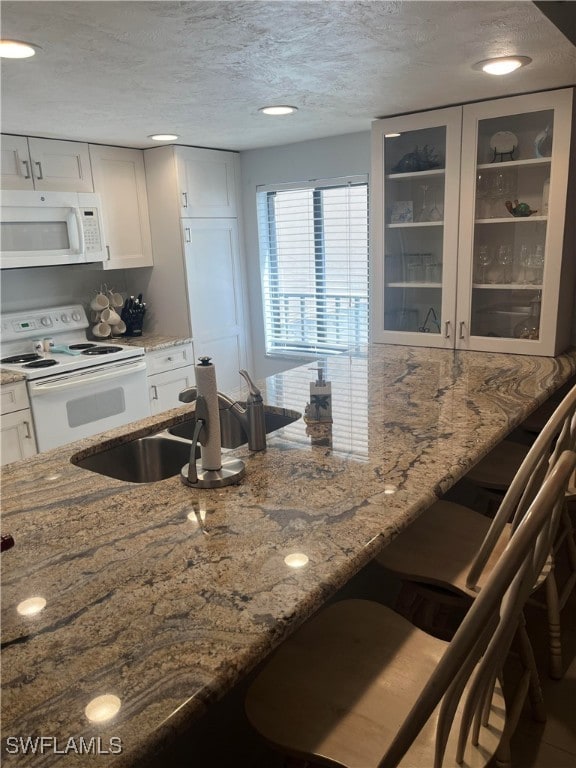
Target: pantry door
(215, 295)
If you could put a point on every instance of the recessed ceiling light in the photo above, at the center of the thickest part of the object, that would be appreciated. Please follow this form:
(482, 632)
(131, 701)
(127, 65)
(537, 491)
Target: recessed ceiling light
(17, 49)
(391, 135)
(280, 109)
(502, 65)
(163, 137)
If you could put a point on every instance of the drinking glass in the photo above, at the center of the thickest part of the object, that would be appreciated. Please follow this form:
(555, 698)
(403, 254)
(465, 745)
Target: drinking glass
(504, 259)
(538, 264)
(423, 212)
(525, 260)
(434, 214)
(484, 261)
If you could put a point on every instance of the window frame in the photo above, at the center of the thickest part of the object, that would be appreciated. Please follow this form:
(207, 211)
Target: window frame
(269, 253)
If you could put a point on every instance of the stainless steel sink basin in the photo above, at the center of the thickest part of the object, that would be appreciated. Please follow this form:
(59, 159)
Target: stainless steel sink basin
(156, 457)
(145, 460)
(231, 433)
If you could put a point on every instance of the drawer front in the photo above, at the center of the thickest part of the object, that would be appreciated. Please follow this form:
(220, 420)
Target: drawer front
(168, 359)
(13, 397)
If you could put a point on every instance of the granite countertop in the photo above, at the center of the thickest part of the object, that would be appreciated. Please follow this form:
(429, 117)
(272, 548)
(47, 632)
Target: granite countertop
(9, 377)
(153, 341)
(166, 597)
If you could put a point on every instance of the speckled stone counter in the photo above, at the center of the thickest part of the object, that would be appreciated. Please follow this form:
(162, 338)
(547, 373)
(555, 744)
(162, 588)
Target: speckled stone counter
(153, 341)
(9, 377)
(166, 597)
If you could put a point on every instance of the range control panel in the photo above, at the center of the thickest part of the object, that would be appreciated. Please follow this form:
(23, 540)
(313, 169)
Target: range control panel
(21, 325)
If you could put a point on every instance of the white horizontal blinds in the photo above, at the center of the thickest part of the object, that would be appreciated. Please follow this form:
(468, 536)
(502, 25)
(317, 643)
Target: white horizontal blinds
(314, 248)
(350, 427)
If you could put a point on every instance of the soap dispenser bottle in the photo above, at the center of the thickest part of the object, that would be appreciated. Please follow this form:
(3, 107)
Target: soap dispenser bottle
(320, 407)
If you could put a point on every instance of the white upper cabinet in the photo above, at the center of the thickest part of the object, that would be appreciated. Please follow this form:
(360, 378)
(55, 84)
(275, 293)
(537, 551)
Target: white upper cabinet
(120, 180)
(472, 253)
(516, 272)
(45, 164)
(414, 231)
(206, 182)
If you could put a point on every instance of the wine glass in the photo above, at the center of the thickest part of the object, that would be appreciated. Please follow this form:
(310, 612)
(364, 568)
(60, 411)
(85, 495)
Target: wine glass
(484, 261)
(422, 214)
(434, 213)
(538, 264)
(504, 259)
(525, 260)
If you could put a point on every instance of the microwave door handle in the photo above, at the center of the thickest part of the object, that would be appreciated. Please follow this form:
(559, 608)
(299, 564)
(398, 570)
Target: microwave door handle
(76, 380)
(80, 225)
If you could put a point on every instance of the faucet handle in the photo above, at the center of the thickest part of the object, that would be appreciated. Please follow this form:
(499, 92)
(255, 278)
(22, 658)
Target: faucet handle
(188, 395)
(255, 393)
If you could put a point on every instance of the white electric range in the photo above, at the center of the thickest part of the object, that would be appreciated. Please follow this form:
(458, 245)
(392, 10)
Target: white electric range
(77, 387)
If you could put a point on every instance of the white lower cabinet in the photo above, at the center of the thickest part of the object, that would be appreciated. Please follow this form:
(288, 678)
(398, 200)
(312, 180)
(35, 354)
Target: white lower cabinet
(169, 372)
(16, 429)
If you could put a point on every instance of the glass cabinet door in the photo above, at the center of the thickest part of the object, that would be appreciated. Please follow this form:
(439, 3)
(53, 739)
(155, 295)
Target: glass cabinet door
(419, 165)
(516, 254)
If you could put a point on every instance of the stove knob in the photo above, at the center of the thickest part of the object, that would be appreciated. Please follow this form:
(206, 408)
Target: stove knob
(65, 318)
(76, 316)
(46, 321)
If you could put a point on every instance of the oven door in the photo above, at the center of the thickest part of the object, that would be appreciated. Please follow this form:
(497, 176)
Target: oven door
(83, 403)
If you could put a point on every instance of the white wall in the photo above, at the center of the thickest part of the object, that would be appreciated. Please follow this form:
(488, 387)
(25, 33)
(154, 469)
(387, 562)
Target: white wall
(40, 287)
(319, 159)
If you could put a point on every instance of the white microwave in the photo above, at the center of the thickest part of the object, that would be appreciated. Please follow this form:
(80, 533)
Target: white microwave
(40, 229)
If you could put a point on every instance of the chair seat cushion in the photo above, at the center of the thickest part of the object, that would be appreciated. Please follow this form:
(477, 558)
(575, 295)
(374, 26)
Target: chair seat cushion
(343, 684)
(440, 545)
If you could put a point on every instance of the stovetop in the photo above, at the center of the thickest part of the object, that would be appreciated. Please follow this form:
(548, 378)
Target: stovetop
(48, 342)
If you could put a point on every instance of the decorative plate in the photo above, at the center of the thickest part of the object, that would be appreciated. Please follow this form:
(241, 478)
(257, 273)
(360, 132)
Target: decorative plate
(503, 142)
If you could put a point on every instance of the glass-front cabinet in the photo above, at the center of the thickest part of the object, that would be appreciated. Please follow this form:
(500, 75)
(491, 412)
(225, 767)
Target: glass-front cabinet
(468, 237)
(414, 285)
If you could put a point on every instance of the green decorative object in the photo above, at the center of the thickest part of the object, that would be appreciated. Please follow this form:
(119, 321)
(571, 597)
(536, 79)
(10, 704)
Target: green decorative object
(519, 209)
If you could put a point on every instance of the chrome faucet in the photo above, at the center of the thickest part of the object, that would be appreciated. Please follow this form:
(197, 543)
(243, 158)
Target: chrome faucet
(251, 418)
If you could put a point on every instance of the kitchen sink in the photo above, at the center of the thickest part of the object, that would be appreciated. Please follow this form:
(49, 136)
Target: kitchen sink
(145, 460)
(156, 457)
(232, 434)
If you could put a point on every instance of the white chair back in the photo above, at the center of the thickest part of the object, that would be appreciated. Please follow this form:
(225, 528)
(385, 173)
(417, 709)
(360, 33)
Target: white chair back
(476, 654)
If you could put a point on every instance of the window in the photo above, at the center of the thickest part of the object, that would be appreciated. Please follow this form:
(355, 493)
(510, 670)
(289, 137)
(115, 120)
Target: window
(314, 256)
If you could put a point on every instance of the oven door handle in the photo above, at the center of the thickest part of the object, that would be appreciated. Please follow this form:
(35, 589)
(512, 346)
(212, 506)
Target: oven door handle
(79, 379)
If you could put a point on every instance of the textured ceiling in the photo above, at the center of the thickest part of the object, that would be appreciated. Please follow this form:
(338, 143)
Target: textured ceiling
(114, 72)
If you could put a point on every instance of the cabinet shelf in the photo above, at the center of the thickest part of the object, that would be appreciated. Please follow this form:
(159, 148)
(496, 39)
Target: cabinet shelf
(508, 286)
(511, 220)
(411, 224)
(413, 285)
(435, 172)
(515, 163)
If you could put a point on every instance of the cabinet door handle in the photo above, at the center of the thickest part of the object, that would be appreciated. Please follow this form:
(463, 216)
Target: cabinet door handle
(26, 165)
(108, 257)
(462, 326)
(39, 175)
(187, 236)
(184, 199)
(154, 392)
(447, 329)
(28, 434)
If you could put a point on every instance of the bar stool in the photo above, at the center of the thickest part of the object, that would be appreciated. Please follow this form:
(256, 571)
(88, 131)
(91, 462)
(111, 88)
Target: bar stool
(455, 548)
(361, 687)
(494, 473)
